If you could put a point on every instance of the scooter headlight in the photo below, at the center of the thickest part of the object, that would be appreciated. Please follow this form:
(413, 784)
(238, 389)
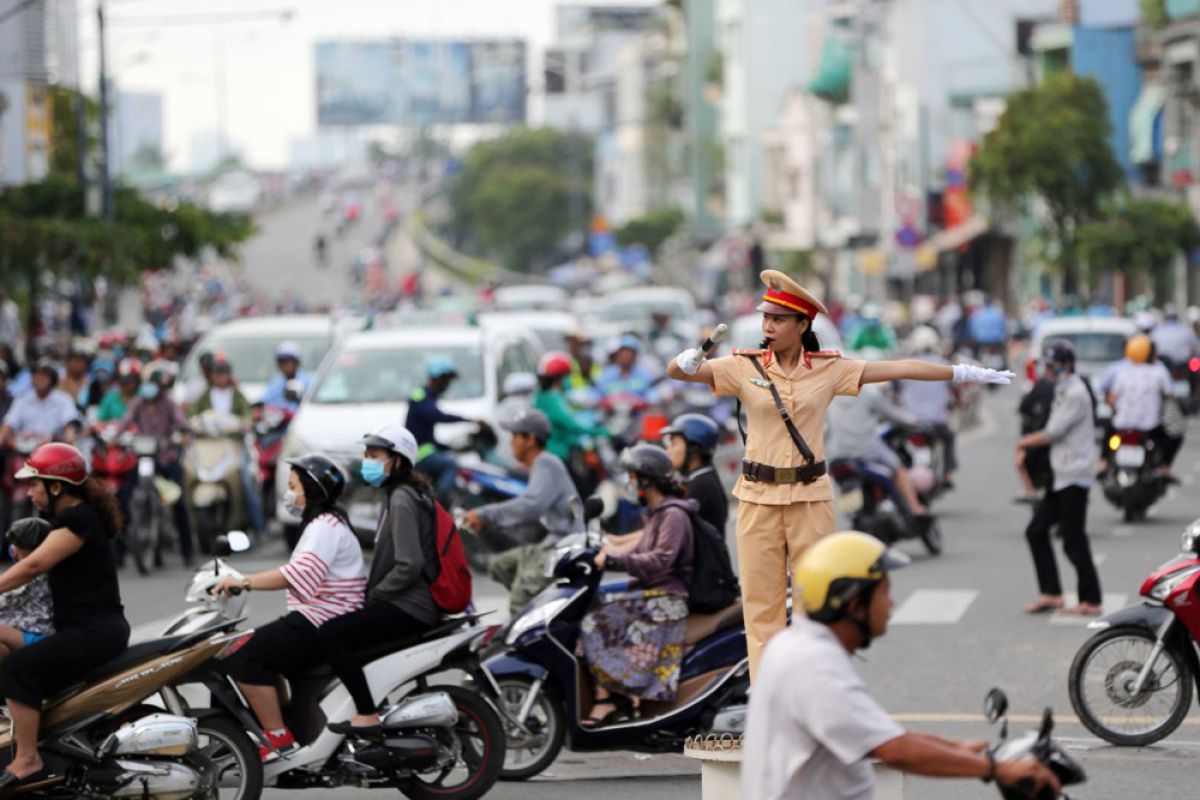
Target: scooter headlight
(535, 617)
(1161, 590)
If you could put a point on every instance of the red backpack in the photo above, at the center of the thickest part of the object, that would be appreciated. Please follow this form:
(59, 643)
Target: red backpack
(451, 589)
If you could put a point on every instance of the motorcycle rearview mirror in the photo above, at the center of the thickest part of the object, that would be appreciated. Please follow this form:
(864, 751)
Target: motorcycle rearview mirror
(1047, 724)
(995, 705)
(593, 507)
(239, 541)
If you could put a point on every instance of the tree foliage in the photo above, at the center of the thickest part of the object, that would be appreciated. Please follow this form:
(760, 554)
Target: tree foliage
(513, 198)
(1051, 144)
(1139, 237)
(651, 230)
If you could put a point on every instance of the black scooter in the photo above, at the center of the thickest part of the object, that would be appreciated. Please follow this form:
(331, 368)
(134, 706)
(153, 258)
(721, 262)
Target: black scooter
(1037, 744)
(534, 674)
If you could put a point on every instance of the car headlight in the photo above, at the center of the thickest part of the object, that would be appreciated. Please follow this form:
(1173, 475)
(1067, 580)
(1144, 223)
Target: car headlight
(1168, 584)
(535, 617)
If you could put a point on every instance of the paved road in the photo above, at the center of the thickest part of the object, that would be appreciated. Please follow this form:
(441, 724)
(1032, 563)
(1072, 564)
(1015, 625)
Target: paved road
(958, 630)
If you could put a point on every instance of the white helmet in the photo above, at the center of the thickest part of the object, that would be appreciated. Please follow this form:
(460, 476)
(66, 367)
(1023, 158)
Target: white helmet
(924, 339)
(394, 437)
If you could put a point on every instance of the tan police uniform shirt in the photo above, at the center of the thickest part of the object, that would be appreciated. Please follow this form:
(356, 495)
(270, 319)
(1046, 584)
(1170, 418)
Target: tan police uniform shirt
(806, 394)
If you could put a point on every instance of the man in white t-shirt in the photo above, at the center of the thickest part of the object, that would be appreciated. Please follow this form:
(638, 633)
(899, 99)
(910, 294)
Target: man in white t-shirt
(812, 725)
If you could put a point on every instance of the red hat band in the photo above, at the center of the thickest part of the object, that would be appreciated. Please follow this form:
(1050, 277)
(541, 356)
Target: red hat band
(794, 302)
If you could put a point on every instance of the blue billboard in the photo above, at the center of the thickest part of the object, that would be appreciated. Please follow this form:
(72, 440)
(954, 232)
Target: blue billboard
(420, 82)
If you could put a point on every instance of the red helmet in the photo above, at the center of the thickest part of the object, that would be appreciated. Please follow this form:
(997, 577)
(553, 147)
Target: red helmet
(129, 368)
(55, 462)
(554, 365)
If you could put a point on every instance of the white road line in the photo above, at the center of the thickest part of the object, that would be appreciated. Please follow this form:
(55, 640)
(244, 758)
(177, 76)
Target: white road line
(934, 607)
(1111, 602)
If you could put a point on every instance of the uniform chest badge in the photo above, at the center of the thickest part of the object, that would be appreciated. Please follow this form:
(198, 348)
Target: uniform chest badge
(761, 383)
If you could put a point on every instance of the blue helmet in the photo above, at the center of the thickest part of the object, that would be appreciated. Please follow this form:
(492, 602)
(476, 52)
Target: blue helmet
(440, 367)
(695, 429)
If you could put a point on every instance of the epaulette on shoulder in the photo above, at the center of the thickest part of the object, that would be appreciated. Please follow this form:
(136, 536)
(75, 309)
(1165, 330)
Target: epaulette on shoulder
(826, 354)
(750, 352)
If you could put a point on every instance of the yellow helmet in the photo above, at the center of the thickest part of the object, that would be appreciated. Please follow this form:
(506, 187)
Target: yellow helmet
(1137, 349)
(839, 568)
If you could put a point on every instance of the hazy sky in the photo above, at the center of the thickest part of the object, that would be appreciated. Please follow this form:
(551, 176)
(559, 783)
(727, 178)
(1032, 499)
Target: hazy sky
(268, 63)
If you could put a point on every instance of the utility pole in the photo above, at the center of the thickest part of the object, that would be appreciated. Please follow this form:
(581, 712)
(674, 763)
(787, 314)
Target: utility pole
(108, 203)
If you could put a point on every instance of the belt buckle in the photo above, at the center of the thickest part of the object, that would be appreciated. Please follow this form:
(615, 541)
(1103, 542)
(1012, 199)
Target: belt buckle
(785, 474)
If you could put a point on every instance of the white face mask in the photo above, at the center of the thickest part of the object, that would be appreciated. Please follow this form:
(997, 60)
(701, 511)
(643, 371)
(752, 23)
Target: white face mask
(291, 504)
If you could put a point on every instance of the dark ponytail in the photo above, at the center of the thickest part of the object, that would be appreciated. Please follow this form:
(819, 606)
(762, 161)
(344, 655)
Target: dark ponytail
(406, 474)
(95, 493)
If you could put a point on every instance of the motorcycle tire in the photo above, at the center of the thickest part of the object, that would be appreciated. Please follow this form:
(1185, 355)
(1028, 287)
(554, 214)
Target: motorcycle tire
(1093, 721)
(231, 748)
(480, 733)
(143, 534)
(548, 717)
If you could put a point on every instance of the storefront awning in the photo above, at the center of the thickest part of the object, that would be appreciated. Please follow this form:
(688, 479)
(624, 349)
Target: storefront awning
(1142, 120)
(956, 237)
(832, 81)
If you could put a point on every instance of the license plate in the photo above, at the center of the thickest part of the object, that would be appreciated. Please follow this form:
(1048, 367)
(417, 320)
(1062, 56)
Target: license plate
(1131, 457)
(146, 467)
(851, 501)
(1182, 388)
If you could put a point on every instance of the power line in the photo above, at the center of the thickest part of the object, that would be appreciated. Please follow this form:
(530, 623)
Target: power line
(17, 9)
(284, 14)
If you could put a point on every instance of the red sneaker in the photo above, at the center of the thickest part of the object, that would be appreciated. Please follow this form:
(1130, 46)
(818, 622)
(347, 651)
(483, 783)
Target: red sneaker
(284, 743)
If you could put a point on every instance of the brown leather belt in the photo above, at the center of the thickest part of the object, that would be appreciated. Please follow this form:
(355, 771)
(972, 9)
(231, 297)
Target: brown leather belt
(764, 473)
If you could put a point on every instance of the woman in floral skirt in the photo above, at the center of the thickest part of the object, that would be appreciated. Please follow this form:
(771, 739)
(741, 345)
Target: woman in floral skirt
(633, 642)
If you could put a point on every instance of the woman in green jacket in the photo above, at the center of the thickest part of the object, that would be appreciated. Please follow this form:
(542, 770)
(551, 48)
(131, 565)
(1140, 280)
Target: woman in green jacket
(566, 432)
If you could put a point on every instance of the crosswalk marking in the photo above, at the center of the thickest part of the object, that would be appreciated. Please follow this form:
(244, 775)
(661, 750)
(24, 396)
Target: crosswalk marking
(934, 607)
(1110, 603)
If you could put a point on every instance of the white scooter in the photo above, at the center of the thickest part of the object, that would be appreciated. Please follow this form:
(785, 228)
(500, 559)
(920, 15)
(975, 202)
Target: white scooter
(437, 741)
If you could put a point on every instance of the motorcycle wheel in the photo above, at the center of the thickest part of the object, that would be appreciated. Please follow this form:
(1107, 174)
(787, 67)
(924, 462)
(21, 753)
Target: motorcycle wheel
(1100, 677)
(480, 734)
(931, 537)
(235, 757)
(528, 756)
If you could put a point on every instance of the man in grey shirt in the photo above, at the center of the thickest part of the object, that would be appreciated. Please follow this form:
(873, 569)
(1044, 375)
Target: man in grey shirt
(1071, 434)
(854, 434)
(523, 528)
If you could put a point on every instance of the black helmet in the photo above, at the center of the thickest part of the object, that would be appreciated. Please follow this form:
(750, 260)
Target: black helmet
(28, 533)
(322, 471)
(648, 461)
(1058, 351)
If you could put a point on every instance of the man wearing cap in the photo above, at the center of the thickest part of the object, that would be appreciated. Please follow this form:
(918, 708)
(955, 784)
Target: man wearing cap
(624, 374)
(424, 415)
(287, 358)
(521, 529)
(786, 388)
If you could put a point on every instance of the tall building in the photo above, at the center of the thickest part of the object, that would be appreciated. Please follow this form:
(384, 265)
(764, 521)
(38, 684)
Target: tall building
(136, 132)
(39, 46)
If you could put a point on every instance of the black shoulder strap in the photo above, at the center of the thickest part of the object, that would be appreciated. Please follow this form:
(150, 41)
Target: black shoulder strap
(801, 445)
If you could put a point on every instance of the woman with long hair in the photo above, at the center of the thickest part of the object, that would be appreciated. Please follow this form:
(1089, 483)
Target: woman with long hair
(324, 579)
(786, 501)
(399, 601)
(89, 620)
(633, 642)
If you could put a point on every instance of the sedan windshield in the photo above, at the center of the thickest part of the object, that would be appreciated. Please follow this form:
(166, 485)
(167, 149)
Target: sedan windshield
(389, 375)
(1100, 347)
(253, 357)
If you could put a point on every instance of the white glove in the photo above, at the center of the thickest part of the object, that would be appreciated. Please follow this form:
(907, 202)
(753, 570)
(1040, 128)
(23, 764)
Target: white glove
(969, 373)
(690, 360)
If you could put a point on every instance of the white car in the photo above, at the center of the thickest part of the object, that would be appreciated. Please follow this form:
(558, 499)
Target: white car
(550, 327)
(1099, 344)
(746, 333)
(250, 345)
(633, 310)
(367, 380)
(534, 297)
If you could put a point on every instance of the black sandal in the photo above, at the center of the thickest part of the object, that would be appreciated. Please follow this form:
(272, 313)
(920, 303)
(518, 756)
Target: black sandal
(592, 721)
(10, 782)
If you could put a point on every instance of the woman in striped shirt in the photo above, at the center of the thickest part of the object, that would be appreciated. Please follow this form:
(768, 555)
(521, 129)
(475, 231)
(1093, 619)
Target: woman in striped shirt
(325, 578)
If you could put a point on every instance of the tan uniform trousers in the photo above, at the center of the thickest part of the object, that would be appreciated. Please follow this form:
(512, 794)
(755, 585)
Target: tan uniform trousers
(770, 542)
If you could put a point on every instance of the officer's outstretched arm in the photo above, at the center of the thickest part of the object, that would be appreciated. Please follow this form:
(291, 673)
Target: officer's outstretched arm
(703, 373)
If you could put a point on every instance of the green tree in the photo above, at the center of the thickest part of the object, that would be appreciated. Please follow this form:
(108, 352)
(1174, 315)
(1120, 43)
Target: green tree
(651, 230)
(1139, 237)
(1051, 144)
(518, 196)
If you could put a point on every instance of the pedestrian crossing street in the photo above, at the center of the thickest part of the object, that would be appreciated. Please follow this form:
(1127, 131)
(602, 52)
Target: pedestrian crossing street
(951, 606)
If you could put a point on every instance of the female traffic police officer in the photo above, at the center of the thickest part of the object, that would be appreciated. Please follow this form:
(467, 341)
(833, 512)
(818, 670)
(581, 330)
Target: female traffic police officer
(785, 497)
